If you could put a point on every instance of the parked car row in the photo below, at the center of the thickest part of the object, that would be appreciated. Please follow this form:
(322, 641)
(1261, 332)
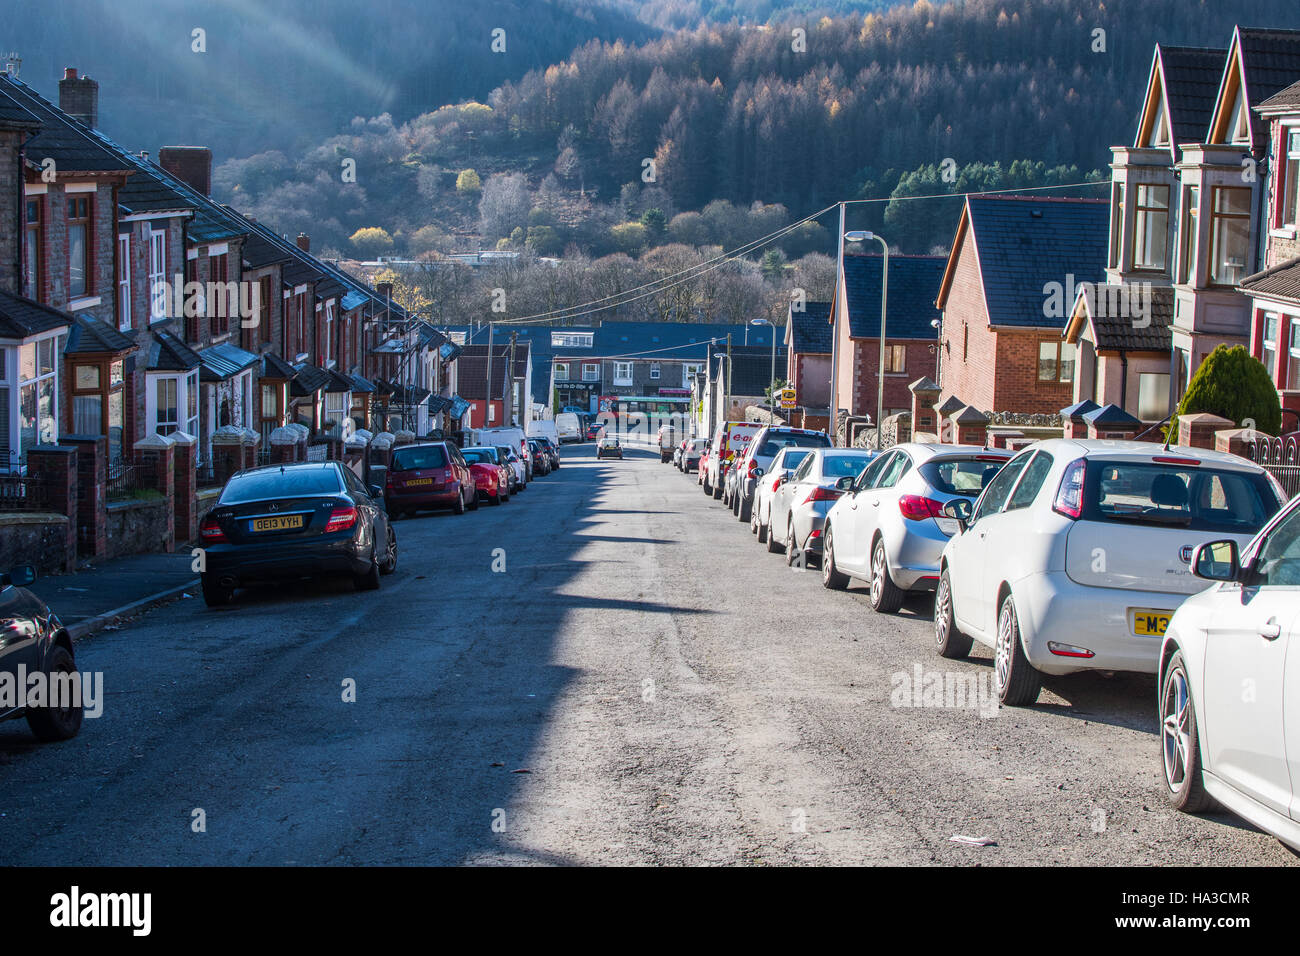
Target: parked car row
(1071, 555)
(308, 519)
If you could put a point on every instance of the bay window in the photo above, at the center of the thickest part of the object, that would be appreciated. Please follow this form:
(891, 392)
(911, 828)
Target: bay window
(1150, 228)
(38, 393)
(1229, 234)
(1187, 247)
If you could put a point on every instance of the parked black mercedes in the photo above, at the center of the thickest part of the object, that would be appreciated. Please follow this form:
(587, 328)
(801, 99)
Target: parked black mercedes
(32, 641)
(295, 521)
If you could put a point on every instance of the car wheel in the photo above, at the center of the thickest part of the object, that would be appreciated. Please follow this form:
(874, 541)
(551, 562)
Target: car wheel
(717, 492)
(832, 578)
(948, 638)
(473, 500)
(1015, 679)
(57, 723)
(886, 596)
(369, 581)
(389, 564)
(708, 488)
(459, 506)
(744, 509)
(773, 546)
(1180, 746)
(497, 498)
(791, 550)
(753, 521)
(214, 595)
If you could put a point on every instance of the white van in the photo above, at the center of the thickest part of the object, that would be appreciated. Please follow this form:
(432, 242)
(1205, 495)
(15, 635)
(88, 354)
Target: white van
(511, 435)
(568, 426)
(544, 428)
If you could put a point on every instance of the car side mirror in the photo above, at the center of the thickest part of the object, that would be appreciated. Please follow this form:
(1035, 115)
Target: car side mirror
(960, 509)
(758, 472)
(376, 492)
(1217, 561)
(21, 576)
(845, 483)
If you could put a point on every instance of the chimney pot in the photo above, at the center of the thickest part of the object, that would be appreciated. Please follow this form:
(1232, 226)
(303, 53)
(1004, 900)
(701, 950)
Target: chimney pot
(70, 73)
(304, 242)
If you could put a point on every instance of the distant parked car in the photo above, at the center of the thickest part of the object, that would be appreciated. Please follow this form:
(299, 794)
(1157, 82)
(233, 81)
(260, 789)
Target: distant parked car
(34, 640)
(799, 506)
(667, 440)
(702, 467)
(429, 475)
(1230, 678)
(779, 472)
(593, 430)
(492, 478)
(609, 447)
(568, 427)
(516, 466)
(541, 457)
(692, 451)
(553, 451)
(727, 446)
(757, 460)
(295, 521)
(1076, 555)
(888, 528)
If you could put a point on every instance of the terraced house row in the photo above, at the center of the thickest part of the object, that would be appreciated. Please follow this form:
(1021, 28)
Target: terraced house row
(152, 338)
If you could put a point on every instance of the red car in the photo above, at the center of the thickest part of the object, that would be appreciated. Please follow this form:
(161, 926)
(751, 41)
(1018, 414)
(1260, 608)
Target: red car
(491, 477)
(429, 475)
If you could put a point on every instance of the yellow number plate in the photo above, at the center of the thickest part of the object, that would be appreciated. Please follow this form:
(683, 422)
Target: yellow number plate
(411, 483)
(277, 523)
(1148, 623)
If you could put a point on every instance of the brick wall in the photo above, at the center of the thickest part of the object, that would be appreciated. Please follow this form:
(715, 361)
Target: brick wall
(11, 177)
(969, 346)
(866, 365)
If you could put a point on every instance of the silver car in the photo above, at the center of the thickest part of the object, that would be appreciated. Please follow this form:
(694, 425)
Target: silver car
(800, 505)
(888, 527)
(781, 468)
(691, 454)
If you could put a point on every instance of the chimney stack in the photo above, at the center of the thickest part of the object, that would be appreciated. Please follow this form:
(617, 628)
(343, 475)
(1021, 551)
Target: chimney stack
(192, 165)
(304, 242)
(385, 290)
(79, 97)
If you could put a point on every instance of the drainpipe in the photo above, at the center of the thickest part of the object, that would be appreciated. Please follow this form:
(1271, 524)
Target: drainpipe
(1123, 379)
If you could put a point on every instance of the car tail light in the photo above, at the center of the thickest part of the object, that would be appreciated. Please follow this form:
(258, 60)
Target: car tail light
(918, 508)
(1068, 650)
(211, 532)
(1069, 497)
(822, 494)
(1180, 462)
(341, 518)
(776, 483)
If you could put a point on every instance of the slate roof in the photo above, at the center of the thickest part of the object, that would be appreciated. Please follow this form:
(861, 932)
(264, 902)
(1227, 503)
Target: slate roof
(811, 332)
(1281, 281)
(92, 337)
(1025, 242)
(1191, 85)
(1288, 98)
(499, 350)
(21, 317)
(15, 116)
(72, 145)
(1117, 326)
(224, 361)
(168, 353)
(471, 375)
(751, 366)
(275, 367)
(913, 286)
(1110, 415)
(1272, 62)
(308, 379)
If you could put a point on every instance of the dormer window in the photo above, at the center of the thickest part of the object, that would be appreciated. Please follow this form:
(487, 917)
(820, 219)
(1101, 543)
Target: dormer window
(1239, 120)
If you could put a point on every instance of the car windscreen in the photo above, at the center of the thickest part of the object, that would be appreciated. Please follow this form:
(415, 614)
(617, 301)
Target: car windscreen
(960, 476)
(475, 456)
(490, 454)
(421, 456)
(837, 466)
(274, 483)
(793, 458)
(1170, 495)
(774, 443)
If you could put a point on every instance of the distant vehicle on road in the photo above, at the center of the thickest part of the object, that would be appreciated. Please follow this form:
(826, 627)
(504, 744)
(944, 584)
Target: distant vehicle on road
(1217, 741)
(568, 427)
(888, 527)
(799, 505)
(692, 451)
(35, 641)
(511, 435)
(492, 478)
(667, 440)
(543, 428)
(1076, 555)
(594, 430)
(516, 466)
(609, 447)
(295, 521)
(429, 475)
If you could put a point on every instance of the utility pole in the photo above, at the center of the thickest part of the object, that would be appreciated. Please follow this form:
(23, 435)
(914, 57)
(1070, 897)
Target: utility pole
(510, 380)
(487, 412)
(726, 405)
(835, 327)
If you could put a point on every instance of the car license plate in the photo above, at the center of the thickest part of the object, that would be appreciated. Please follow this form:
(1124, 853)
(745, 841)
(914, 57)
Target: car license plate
(413, 482)
(276, 523)
(1149, 623)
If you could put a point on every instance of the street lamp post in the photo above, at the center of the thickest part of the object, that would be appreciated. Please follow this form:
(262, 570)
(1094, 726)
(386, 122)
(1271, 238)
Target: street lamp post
(771, 385)
(867, 236)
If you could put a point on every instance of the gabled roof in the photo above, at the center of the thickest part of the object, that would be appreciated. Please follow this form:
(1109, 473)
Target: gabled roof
(1118, 324)
(72, 145)
(471, 374)
(1284, 101)
(92, 337)
(1021, 244)
(811, 331)
(751, 366)
(168, 353)
(913, 287)
(20, 317)
(1110, 415)
(1267, 61)
(1185, 80)
(274, 367)
(308, 379)
(1282, 281)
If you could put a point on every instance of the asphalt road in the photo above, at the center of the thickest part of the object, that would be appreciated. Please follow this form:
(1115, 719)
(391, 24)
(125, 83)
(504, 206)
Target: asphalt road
(641, 684)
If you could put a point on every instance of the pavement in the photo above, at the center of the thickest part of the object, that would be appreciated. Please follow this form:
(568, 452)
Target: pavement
(99, 594)
(605, 669)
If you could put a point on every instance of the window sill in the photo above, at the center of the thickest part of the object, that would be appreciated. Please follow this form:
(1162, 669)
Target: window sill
(1286, 232)
(85, 302)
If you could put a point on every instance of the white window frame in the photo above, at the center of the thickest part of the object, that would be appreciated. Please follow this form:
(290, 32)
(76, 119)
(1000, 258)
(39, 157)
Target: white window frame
(1290, 218)
(561, 371)
(689, 371)
(572, 340)
(590, 372)
(622, 373)
(124, 282)
(1268, 344)
(157, 274)
(654, 371)
(54, 375)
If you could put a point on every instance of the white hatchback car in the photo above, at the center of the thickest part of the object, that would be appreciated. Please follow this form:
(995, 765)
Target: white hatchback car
(1230, 686)
(1076, 555)
(769, 483)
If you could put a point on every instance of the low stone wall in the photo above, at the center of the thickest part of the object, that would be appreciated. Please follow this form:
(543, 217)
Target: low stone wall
(34, 537)
(137, 527)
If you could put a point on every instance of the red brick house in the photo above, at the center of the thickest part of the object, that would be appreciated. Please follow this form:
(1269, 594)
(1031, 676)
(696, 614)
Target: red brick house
(809, 334)
(910, 334)
(1007, 288)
